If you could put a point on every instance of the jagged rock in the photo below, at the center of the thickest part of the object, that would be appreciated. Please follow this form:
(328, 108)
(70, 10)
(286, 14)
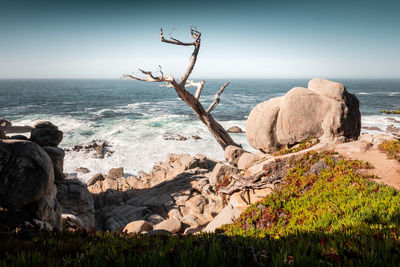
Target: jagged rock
(393, 130)
(138, 227)
(115, 173)
(95, 179)
(233, 153)
(57, 157)
(174, 136)
(191, 220)
(324, 110)
(220, 172)
(171, 225)
(235, 129)
(174, 165)
(196, 204)
(74, 198)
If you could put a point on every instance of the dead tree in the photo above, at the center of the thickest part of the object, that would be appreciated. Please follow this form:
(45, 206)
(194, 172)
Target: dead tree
(220, 134)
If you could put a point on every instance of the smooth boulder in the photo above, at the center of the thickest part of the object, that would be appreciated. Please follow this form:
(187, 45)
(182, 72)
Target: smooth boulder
(324, 110)
(46, 133)
(26, 173)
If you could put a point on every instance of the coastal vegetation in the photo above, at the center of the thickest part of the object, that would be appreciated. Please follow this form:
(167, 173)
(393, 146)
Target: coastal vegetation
(326, 211)
(391, 111)
(391, 148)
(307, 143)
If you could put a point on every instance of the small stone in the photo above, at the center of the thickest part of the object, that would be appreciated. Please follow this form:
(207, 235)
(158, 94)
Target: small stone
(171, 225)
(136, 227)
(82, 170)
(235, 129)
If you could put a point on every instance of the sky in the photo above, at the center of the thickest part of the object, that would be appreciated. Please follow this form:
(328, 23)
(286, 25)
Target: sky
(240, 39)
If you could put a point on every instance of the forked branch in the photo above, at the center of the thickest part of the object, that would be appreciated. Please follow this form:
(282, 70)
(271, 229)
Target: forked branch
(217, 98)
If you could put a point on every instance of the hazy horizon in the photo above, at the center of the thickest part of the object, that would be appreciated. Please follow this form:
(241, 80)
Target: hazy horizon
(253, 40)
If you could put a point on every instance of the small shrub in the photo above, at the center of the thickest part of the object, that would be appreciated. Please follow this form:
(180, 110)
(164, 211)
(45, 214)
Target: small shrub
(391, 148)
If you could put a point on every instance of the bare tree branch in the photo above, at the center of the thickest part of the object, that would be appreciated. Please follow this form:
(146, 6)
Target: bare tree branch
(220, 134)
(217, 98)
(199, 86)
(173, 40)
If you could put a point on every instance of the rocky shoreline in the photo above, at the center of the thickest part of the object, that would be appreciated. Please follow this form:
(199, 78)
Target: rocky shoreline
(185, 194)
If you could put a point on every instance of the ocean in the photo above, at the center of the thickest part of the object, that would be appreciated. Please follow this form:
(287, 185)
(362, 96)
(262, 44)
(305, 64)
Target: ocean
(135, 116)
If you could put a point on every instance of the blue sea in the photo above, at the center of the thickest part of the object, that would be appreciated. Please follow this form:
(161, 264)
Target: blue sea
(134, 116)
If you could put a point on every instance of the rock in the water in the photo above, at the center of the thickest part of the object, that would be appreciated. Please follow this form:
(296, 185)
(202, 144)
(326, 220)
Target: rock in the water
(235, 129)
(138, 227)
(171, 225)
(393, 130)
(373, 128)
(95, 179)
(45, 125)
(115, 173)
(233, 153)
(75, 199)
(324, 110)
(46, 136)
(174, 136)
(5, 123)
(82, 170)
(57, 157)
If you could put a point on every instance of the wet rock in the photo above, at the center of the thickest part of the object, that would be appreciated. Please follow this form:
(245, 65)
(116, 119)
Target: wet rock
(235, 129)
(174, 136)
(196, 137)
(372, 129)
(45, 125)
(82, 170)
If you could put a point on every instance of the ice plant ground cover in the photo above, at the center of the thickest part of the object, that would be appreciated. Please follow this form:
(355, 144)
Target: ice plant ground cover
(326, 211)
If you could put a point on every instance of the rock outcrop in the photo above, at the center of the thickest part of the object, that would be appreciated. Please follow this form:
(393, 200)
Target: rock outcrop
(27, 181)
(324, 110)
(74, 198)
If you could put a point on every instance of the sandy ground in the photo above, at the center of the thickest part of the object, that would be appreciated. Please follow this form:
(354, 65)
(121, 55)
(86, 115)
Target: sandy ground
(388, 170)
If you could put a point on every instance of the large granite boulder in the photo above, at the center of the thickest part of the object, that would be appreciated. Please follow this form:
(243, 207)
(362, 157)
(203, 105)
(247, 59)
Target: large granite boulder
(56, 155)
(27, 181)
(75, 199)
(46, 133)
(324, 110)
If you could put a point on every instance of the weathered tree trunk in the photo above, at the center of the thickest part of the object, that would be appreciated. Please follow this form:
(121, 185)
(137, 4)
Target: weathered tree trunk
(220, 134)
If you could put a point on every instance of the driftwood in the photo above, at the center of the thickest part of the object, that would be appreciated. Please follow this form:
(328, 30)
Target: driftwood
(267, 178)
(219, 133)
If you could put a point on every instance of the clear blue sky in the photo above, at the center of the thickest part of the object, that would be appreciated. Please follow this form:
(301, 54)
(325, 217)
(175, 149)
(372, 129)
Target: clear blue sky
(241, 39)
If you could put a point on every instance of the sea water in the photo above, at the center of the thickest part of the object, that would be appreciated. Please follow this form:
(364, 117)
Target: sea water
(134, 116)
